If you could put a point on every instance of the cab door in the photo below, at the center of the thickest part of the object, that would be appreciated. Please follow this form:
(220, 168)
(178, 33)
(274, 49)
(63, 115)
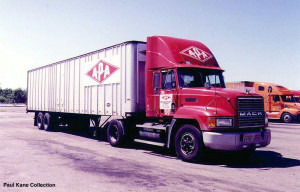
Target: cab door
(275, 104)
(168, 93)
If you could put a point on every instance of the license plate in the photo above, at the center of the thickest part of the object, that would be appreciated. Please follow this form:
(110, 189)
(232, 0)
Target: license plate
(257, 138)
(247, 138)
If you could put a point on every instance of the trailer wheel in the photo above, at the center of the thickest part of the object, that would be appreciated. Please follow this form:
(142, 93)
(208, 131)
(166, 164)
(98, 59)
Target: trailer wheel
(40, 120)
(48, 122)
(189, 144)
(115, 134)
(286, 118)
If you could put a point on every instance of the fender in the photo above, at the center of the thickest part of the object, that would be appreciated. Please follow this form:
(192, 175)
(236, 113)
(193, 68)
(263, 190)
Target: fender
(292, 111)
(198, 113)
(189, 112)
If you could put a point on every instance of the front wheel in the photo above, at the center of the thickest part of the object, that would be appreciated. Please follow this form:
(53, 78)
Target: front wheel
(189, 144)
(286, 118)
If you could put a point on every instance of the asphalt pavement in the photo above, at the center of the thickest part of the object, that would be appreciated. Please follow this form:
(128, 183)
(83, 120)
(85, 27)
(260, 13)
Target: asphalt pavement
(36, 160)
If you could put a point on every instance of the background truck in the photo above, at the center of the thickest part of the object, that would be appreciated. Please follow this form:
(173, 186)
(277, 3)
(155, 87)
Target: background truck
(279, 101)
(169, 92)
(296, 95)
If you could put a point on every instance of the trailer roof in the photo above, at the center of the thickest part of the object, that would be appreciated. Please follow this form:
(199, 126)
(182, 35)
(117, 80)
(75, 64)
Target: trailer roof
(83, 55)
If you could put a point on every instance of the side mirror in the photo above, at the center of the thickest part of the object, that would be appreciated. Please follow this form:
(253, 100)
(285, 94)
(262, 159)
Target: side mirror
(156, 90)
(207, 85)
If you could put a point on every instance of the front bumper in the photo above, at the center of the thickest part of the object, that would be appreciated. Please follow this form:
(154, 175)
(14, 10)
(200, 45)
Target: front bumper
(237, 141)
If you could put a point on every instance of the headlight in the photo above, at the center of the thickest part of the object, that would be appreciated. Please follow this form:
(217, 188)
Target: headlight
(220, 122)
(266, 119)
(224, 122)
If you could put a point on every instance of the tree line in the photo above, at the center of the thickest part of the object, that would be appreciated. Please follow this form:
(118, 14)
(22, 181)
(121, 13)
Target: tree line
(13, 95)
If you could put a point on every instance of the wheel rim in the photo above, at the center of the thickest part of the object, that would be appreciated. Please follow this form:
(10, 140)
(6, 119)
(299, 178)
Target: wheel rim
(187, 143)
(114, 134)
(287, 118)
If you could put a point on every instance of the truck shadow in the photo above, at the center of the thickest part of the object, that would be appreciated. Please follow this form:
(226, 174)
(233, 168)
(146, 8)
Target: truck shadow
(77, 132)
(259, 159)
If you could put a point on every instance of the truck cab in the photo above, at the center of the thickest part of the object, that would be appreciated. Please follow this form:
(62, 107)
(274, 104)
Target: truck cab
(280, 102)
(296, 95)
(185, 90)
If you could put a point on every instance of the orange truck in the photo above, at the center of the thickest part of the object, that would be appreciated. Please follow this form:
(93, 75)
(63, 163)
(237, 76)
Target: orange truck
(280, 102)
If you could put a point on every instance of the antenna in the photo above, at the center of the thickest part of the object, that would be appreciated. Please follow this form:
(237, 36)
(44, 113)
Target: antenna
(216, 112)
(215, 98)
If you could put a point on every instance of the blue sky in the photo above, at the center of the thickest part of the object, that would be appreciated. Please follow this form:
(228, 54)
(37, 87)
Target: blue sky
(252, 40)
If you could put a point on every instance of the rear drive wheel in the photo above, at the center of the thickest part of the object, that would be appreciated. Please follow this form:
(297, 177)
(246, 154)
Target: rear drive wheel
(115, 134)
(40, 120)
(189, 144)
(286, 118)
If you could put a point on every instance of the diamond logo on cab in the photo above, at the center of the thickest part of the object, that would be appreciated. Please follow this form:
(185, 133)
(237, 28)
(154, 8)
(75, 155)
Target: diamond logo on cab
(166, 97)
(101, 71)
(196, 53)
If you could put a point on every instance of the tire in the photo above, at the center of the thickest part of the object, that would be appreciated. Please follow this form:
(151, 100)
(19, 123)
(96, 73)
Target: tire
(286, 118)
(48, 122)
(115, 134)
(40, 120)
(189, 144)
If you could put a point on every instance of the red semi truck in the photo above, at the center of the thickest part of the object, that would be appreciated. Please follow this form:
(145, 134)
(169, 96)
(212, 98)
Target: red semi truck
(168, 92)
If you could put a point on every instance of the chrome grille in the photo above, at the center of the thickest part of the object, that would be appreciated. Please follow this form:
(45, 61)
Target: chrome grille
(251, 112)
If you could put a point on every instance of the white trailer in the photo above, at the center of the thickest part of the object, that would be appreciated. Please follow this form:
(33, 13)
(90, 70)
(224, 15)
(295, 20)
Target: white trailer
(71, 88)
(169, 98)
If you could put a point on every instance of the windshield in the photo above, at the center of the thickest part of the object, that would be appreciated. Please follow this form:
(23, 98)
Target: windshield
(288, 98)
(195, 77)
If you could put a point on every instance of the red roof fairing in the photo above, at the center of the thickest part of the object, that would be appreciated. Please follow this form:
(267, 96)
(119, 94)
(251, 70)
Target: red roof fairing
(169, 52)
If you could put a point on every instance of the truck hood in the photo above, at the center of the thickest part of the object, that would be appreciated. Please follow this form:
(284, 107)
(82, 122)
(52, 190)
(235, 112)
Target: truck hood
(222, 99)
(229, 93)
(292, 105)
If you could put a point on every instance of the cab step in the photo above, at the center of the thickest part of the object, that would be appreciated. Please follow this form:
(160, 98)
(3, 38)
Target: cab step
(152, 126)
(150, 142)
